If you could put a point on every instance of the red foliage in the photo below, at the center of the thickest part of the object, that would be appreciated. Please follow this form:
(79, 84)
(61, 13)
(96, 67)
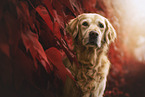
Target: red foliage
(55, 30)
(55, 57)
(33, 43)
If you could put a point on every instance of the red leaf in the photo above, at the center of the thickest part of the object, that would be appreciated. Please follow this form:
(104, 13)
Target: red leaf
(69, 53)
(55, 57)
(58, 7)
(32, 44)
(48, 4)
(59, 19)
(54, 27)
(56, 30)
(68, 3)
(76, 4)
(45, 16)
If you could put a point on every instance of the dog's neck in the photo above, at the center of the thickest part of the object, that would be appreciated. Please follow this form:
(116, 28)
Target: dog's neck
(90, 59)
(88, 55)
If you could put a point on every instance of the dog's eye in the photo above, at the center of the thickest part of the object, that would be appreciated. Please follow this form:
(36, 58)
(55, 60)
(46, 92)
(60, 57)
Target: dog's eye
(101, 25)
(85, 24)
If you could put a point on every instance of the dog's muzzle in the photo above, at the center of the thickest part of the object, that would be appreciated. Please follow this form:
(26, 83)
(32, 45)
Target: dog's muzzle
(93, 38)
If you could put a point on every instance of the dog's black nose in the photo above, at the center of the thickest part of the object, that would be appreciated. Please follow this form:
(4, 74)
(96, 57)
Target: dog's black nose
(93, 37)
(93, 34)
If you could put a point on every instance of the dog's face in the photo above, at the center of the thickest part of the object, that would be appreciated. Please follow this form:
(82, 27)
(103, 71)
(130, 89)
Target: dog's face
(91, 30)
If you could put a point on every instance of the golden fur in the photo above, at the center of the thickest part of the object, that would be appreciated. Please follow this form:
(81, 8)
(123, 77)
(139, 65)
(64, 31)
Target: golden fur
(92, 74)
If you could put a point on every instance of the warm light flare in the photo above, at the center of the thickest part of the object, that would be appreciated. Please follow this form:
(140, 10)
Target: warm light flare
(132, 20)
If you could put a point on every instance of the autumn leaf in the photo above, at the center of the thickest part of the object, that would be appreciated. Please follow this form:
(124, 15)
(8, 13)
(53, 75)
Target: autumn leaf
(54, 55)
(32, 44)
(45, 16)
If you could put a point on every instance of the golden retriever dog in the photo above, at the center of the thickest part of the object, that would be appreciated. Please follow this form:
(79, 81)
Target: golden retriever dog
(92, 34)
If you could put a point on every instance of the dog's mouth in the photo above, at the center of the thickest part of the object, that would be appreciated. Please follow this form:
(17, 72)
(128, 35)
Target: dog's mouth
(90, 42)
(93, 44)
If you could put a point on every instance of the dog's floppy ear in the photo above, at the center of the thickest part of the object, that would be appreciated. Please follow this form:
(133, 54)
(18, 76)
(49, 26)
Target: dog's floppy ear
(72, 27)
(110, 33)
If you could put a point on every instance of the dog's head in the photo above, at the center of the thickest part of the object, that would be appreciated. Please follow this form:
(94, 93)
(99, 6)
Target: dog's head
(91, 30)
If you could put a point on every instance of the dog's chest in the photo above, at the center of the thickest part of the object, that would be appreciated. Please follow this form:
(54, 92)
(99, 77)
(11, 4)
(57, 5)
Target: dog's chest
(90, 77)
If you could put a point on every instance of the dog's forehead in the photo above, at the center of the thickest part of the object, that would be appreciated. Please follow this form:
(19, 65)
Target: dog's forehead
(92, 16)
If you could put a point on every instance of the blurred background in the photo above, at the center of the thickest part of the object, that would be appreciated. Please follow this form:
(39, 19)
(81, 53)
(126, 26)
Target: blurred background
(131, 16)
(131, 34)
(33, 43)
